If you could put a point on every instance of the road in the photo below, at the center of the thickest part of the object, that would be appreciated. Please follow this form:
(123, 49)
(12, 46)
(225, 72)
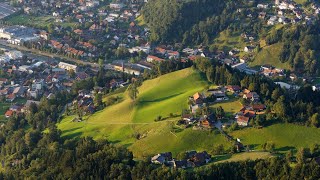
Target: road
(43, 56)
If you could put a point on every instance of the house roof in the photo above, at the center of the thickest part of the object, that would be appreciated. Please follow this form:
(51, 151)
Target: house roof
(243, 119)
(258, 106)
(155, 58)
(9, 113)
(197, 96)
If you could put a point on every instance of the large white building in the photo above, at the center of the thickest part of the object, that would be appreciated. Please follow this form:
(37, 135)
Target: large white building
(68, 66)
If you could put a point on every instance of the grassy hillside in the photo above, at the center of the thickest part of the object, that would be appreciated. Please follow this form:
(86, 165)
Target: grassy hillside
(270, 55)
(123, 122)
(285, 136)
(227, 41)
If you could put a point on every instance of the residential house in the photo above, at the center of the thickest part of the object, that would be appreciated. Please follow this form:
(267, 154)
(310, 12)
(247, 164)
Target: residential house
(19, 91)
(161, 158)
(151, 58)
(249, 49)
(233, 89)
(198, 98)
(258, 107)
(253, 96)
(242, 120)
(8, 113)
(200, 159)
(10, 97)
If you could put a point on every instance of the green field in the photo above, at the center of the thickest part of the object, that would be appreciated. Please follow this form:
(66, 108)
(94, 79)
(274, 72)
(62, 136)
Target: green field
(230, 107)
(285, 136)
(242, 157)
(36, 21)
(270, 55)
(122, 122)
(132, 124)
(227, 41)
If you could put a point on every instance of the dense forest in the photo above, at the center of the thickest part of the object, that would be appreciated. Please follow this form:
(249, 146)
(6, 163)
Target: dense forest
(187, 20)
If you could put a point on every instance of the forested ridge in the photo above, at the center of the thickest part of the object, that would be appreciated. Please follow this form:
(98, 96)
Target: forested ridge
(188, 20)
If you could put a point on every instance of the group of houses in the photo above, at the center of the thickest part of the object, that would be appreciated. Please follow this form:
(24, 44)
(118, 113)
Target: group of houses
(287, 11)
(192, 159)
(18, 108)
(250, 109)
(30, 79)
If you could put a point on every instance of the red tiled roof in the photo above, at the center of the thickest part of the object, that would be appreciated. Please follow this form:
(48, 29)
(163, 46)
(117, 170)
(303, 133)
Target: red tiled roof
(9, 113)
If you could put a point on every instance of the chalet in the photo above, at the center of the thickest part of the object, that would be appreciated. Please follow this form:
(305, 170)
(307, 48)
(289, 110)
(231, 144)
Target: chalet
(219, 95)
(198, 98)
(242, 120)
(161, 158)
(200, 159)
(253, 96)
(233, 89)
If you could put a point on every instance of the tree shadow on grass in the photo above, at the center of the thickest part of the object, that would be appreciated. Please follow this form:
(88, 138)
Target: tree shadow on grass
(286, 148)
(161, 99)
(75, 135)
(72, 129)
(221, 158)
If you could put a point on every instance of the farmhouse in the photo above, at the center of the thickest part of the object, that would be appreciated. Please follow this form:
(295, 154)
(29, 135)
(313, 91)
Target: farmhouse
(253, 96)
(242, 120)
(198, 98)
(161, 158)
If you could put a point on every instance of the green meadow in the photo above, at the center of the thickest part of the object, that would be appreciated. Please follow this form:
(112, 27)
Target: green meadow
(132, 124)
(124, 122)
(285, 136)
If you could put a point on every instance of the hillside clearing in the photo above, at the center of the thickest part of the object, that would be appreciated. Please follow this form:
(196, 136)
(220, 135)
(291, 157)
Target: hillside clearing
(270, 55)
(125, 122)
(285, 136)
